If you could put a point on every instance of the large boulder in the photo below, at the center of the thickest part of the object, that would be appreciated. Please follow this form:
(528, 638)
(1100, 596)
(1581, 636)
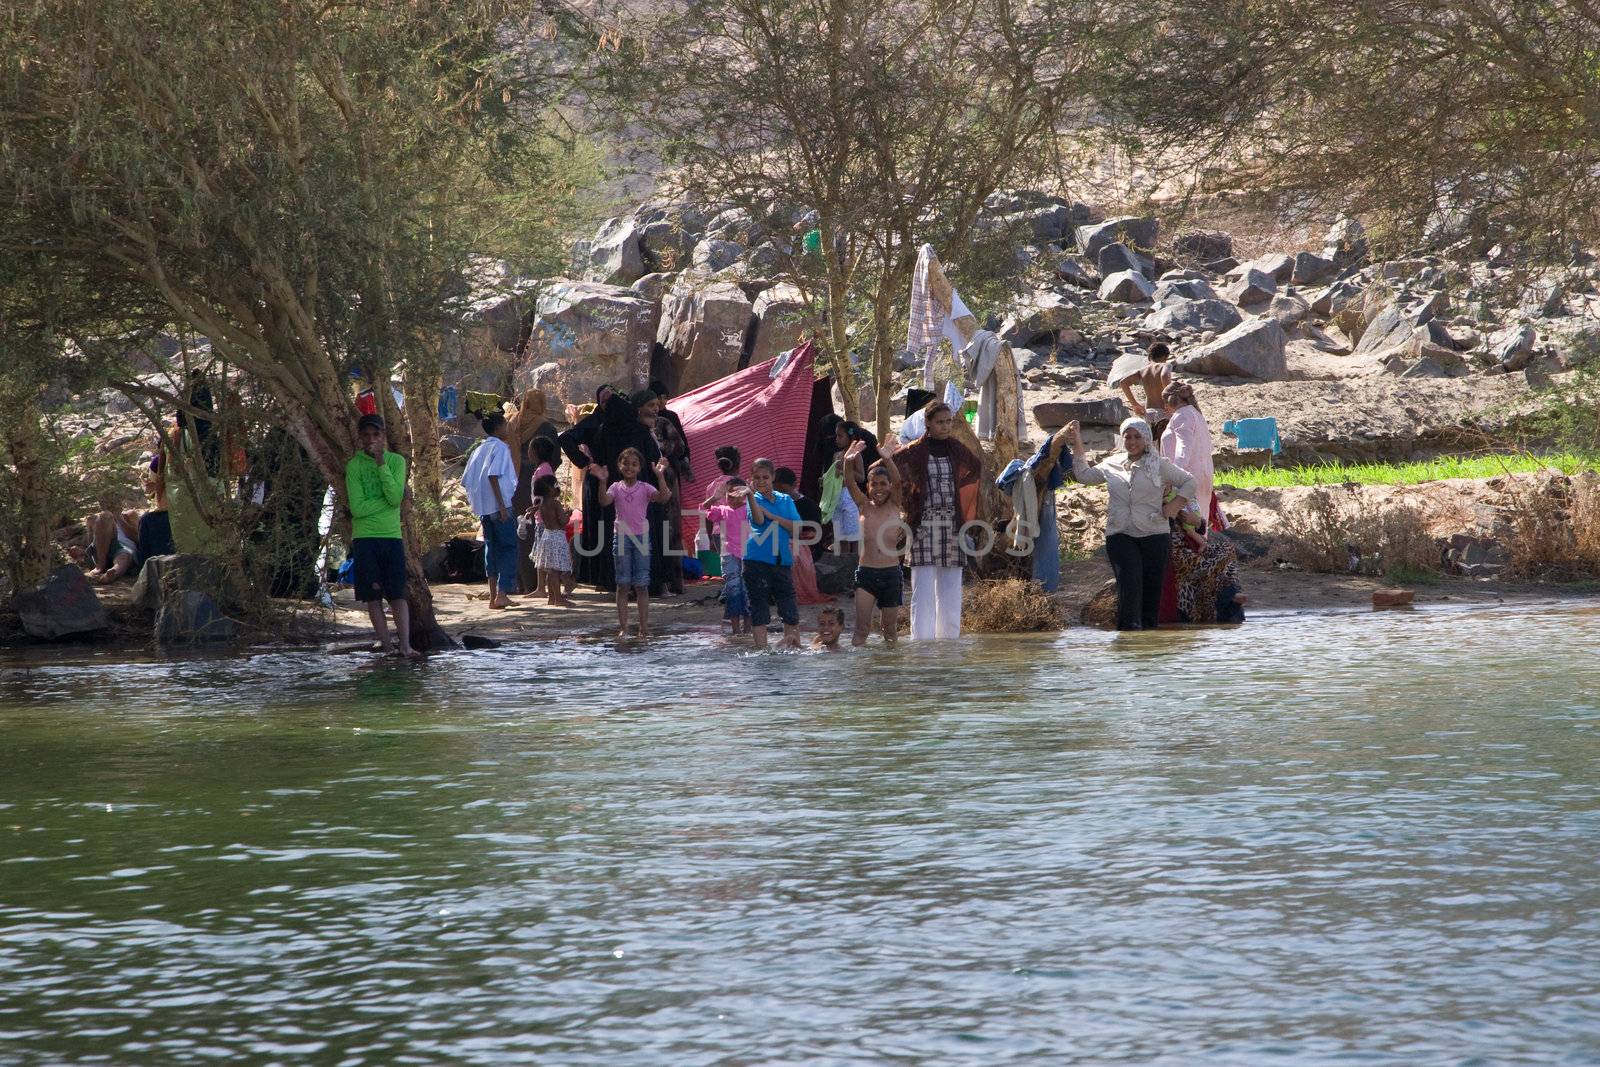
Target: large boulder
(1311, 269)
(1193, 316)
(1054, 414)
(1140, 232)
(615, 255)
(667, 245)
(736, 224)
(161, 576)
(715, 253)
(63, 605)
(1277, 265)
(654, 286)
(1346, 244)
(1252, 287)
(1203, 246)
(1255, 349)
(1172, 290)
(1071, 269)
(190, 617)
(780, 321)
(705, 324)
(586, 335)
(1290, 311)
(1037, 318)
(1127, 287)
(1041, 225)
(1116, 257)
(1513, 348)
(1393, 325)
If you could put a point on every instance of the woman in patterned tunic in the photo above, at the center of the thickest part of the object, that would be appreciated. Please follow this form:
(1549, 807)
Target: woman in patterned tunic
(940, 491)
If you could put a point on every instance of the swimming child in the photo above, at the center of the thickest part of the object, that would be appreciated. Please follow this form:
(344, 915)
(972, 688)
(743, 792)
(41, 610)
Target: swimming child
(728, 520)
(548, 521)
(631, 544)
(830, 626)
(880, 584)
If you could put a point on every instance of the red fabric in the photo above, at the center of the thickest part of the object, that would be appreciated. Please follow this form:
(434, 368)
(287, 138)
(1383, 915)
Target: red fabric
(804, 575)
(366, 403)
(759, 415)
(1167, 614)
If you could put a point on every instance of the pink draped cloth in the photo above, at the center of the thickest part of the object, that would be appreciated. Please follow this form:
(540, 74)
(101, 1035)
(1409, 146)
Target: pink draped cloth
(1187, 443)
(804, 575)
(759, 413)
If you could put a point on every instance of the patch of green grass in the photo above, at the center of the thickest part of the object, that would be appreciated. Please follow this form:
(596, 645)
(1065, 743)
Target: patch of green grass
(1412, 576)
(1432, 470)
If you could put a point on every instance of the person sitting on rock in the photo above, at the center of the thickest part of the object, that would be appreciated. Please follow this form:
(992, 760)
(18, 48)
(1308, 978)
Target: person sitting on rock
(112, 536)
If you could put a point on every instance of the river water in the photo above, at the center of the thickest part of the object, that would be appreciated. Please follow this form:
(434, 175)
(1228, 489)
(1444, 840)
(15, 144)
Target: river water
(1359, 839)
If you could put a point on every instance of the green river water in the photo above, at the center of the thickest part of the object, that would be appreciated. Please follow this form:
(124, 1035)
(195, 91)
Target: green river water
(1363, 839)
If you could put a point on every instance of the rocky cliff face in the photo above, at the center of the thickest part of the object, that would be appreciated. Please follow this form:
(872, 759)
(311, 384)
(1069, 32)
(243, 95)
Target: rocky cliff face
(684, 294)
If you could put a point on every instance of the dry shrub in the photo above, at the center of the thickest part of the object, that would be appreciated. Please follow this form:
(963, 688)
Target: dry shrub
(1007, 606)
(1318, 535)
(1338, 531)
(1402, 545)
(1586, 522)
(1555, 528)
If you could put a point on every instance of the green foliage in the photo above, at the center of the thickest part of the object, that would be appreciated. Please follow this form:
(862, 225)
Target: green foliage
(48, 479)
(1432, 470)
(891, 123)
(1568, 414)
(1456, 121)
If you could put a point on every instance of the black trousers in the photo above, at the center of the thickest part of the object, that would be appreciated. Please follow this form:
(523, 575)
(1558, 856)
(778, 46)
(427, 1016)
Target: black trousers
(1140, 566)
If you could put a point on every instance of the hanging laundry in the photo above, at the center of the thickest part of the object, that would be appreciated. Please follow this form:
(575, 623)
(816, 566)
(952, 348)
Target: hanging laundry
(931, 320)
(982, 362)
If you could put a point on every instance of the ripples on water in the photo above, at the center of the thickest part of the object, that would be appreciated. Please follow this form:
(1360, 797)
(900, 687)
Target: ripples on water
(1366, 839)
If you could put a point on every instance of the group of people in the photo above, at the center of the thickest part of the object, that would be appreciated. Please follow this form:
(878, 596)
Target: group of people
(892, 506)
(1163, 523)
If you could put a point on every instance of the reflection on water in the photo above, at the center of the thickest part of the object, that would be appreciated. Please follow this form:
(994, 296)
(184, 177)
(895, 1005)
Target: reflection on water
(1367, 839)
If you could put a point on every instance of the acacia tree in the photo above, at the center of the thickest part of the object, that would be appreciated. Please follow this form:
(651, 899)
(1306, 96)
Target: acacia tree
(1472, 117)
(302, 183)
(892, 122)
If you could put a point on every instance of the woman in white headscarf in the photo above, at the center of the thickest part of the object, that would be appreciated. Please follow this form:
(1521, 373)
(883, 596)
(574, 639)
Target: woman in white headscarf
(1138, 513)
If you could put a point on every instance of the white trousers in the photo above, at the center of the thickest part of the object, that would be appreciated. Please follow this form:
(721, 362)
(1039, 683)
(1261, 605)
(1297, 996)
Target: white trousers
(935, 603)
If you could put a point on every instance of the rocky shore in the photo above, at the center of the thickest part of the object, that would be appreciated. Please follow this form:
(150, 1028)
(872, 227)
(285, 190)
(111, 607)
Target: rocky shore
(1447, 350)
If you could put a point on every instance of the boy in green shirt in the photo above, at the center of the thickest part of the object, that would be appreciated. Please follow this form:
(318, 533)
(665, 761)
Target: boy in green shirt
(375, 485)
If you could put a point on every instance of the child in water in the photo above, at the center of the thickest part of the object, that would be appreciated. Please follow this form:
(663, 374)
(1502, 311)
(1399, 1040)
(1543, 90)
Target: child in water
(631, 544)
(830, 627)
(548, 521)
(879, 582)
(728, 520)
(773, 522)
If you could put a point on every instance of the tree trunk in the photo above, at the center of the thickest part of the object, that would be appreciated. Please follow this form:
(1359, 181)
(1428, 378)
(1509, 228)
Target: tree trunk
(844, 374)
(426, 633)
(423, 381)
(34, 558)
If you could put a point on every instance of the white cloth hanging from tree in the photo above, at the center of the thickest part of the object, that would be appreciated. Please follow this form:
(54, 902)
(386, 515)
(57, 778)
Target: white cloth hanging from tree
(931, 321)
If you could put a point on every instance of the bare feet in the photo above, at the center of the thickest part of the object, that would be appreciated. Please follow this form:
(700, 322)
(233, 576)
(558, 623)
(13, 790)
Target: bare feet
(410, 653)
(105, 577)
(500, 603)
(622, 634)
(563, 602)
(643, 633)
